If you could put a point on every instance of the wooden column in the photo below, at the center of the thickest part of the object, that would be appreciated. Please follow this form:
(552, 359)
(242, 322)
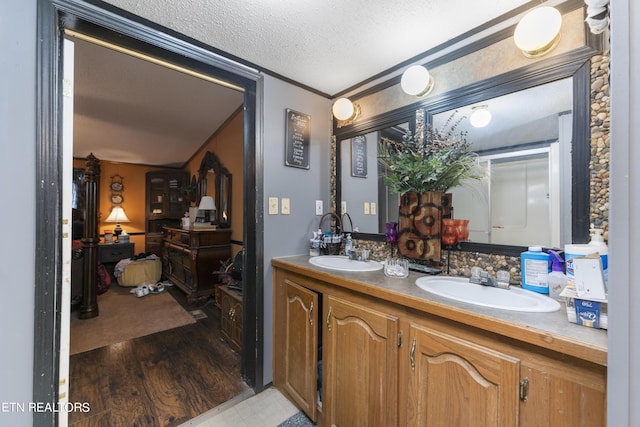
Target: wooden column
(90, 240)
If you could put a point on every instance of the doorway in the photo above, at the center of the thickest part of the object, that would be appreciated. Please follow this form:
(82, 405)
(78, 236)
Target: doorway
(155, 41)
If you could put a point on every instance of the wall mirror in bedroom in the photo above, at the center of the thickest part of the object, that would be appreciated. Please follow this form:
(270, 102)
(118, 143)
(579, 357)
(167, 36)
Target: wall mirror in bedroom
(214, 180)
(535, 153)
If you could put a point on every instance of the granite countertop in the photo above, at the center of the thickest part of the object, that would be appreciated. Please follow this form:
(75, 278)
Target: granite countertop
(547, 330)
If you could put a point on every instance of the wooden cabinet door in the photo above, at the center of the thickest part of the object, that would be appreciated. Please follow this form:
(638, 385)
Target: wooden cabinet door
(297, 350)
(455, 382)
(231, 318)
(360, 365)
(236, 325)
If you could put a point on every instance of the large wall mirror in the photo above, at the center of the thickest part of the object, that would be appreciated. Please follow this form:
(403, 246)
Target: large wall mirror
(215, 180)
(535, 153)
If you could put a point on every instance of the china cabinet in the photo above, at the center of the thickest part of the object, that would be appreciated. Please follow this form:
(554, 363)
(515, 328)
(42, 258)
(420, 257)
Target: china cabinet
(165, 205)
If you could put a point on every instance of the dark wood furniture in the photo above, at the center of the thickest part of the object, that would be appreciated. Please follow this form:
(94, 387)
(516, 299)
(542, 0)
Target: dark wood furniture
(231, 316)
(165, 205)
(191, 259)
(111, 254)
(90, 240)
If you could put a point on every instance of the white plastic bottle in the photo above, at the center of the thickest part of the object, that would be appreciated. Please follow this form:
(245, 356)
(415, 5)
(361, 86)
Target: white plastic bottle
(598, 244)
(348, 245)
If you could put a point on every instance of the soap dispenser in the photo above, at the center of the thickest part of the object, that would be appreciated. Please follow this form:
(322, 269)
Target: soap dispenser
(348, 245)
(557, 278)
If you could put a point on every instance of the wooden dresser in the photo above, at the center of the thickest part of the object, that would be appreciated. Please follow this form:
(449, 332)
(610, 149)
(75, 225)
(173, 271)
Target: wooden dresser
(190, 259)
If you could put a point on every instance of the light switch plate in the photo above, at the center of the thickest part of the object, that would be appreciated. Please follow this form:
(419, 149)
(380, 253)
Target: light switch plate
(374, 208)
(273, 206)
(343, 207)
(367, 208)
(319, 208)
(285, 206)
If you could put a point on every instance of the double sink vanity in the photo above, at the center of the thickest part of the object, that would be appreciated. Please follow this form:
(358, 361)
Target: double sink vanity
(354, 347)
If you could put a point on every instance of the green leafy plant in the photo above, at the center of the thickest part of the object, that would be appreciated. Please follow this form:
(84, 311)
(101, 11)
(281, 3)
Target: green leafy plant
(441, 160)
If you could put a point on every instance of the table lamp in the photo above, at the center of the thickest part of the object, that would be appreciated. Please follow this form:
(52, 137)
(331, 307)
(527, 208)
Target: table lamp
(117, 215)
(207, 205)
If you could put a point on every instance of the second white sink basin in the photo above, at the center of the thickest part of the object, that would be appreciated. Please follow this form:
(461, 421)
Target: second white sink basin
(514, 299)
(342, 263)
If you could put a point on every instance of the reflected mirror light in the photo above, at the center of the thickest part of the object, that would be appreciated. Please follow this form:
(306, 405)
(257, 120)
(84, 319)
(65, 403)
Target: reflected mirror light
(480, 116)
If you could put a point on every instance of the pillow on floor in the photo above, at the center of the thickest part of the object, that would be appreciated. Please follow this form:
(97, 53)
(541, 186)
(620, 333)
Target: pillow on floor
(138, 272)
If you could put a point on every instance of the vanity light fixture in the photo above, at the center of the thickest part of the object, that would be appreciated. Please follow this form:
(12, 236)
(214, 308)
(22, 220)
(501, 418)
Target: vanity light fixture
(118, 216)
(207, 205)
(480, 116)
(345, 111)
(538, 31)
(416, 80)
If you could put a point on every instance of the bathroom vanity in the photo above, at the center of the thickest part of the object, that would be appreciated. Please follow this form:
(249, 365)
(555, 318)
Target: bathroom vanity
(394, 355)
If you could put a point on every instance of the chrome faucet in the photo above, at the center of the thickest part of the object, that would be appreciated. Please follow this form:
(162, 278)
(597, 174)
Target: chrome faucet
(482, 277)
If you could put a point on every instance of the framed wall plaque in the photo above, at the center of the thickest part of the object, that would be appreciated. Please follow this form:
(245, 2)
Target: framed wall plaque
(298, 133)
(359, 156)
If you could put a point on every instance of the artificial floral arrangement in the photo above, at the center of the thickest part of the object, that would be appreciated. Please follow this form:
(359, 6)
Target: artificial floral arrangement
(438, 162)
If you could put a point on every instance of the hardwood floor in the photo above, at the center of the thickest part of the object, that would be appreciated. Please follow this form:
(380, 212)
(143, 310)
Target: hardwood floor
(163, 379)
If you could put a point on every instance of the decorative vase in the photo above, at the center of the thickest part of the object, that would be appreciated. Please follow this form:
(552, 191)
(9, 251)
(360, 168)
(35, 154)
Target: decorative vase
(420, 224)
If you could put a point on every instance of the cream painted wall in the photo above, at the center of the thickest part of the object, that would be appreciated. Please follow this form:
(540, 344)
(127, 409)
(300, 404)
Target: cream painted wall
(228, 145)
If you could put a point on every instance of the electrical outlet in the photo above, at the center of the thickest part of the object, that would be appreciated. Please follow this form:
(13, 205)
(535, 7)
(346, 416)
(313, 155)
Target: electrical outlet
(374, 208)
(367, 208)
(319, 208)
(285, 205)
(343, 207)
(273, 206)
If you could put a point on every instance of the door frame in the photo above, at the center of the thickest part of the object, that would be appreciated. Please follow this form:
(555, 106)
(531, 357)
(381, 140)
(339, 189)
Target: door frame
(112, 24)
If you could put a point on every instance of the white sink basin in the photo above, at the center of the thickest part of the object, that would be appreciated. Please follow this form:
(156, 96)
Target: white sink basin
(342, 263)
(514, 299)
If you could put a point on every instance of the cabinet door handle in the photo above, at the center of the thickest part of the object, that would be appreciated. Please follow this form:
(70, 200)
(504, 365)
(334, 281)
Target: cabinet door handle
(524, 389)
(329, 317)
(310, 316)
(412, 354)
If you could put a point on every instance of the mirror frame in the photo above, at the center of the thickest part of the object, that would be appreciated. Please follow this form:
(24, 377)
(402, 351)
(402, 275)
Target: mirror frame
(211, 161)
(575, 64)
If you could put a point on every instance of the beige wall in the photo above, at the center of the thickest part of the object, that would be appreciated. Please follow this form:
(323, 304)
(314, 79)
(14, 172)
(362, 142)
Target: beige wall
(228, 145)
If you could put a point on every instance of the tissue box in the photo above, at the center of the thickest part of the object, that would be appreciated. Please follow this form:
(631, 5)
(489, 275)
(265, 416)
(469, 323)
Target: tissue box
(585, 312)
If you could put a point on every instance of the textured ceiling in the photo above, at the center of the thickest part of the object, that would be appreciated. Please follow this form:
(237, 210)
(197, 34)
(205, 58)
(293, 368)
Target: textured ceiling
(328, 45)
(128, 110)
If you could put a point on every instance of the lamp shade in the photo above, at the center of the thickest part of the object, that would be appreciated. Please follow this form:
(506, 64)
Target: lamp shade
(416, 80)
(343, 109)
(207, 204)
(538, 31)
(480, 116)
(117, 215)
